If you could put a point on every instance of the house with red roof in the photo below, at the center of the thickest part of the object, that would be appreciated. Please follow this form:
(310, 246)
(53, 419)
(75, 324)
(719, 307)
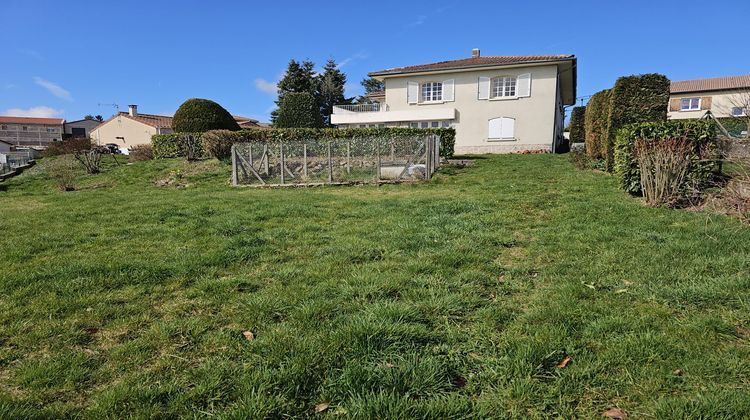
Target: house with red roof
(496, 104)
(31, 131)
(724, 96)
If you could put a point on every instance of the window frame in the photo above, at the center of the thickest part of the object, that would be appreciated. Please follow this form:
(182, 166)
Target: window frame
(432, 91)
(742, 111)
(504, 88)
(690, 103)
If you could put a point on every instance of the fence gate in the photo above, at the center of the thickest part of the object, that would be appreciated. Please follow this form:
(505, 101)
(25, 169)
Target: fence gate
(341, 161)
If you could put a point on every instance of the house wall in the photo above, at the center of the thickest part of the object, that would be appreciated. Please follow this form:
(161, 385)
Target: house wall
(88, 125)
(123, 132)
(39, 135)
(722, 103)
(536, 116)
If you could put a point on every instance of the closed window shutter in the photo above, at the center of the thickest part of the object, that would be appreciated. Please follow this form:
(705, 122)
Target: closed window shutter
(484, 88)
(523, 87)
(502, 128)
(412, 92)
(495, 128)
(674, 104)
(508, 128)
(448, 90)
(705, 103)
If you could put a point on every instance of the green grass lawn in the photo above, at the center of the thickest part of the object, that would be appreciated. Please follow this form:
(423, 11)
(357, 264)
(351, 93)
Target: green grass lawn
(453, 299)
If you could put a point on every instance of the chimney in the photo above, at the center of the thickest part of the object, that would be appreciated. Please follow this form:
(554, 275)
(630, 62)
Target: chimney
(475, 53)
(133, 110)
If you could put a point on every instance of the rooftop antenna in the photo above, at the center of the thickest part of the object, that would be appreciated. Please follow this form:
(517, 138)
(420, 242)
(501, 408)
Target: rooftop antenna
(117, 107)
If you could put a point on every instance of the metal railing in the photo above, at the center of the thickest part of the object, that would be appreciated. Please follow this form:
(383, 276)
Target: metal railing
(349, 109)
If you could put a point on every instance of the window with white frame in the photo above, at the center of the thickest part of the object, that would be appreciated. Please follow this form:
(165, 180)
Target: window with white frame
(690, 104)
(431, 92)
(503, 87)
(414, 125)
(739, 111)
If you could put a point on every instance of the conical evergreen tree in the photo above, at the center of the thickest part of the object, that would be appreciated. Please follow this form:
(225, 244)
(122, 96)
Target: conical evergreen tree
(330, 92)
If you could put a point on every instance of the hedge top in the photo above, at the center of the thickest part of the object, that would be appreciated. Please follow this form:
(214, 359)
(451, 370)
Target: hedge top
(200, 115)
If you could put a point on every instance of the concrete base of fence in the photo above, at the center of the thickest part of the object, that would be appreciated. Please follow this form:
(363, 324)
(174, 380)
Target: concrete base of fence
(331, 184)
(17, 171)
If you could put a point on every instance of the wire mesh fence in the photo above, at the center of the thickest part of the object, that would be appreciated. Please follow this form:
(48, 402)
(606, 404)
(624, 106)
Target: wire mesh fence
(343, 161)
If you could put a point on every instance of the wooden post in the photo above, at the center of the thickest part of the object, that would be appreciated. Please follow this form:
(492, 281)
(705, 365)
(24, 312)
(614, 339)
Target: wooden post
(265, 158)
(428, 159)
(393, 152)
(330, 164)
(234, 166)
(377, 151)
(348, 157)
(250, 153)
(304, 160)
(282, 167)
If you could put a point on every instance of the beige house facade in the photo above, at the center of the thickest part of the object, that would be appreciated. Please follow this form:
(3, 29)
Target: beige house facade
(722, 96)
(129, 129)
(497, 104)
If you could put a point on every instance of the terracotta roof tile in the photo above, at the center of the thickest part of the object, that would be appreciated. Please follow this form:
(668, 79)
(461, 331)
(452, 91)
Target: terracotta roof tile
(716, 83)
(31, 120)
(488, 61)
(159, 121)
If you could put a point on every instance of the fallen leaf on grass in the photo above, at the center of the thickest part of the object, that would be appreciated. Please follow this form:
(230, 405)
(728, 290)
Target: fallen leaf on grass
(564, 362)
(390, 365)
(677, 372)
(615, 413)
(249, 335)
(319, 408)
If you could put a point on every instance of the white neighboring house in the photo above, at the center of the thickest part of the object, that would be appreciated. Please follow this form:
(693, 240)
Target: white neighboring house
(723, 96)
(497, 104)
(128, 129)
(80, 128)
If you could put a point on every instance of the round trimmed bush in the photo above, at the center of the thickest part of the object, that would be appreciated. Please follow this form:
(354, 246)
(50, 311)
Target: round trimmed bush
(200, 115)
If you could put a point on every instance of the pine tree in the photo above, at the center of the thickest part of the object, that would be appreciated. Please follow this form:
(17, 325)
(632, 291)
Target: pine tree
(299, 78)
(330, 92)
(371, 85)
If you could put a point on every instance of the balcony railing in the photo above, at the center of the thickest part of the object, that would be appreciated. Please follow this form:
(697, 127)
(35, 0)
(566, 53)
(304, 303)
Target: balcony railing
(351, 109)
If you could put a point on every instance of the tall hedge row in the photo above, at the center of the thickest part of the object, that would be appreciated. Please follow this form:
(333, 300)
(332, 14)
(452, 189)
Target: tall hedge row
(635, 99)
(701, 133)
(596, 123)
(170, 145)
(578, 124)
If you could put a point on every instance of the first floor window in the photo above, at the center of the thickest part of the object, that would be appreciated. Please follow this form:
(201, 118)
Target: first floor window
(690, 104)
(503, 87)
(738, 111)
(431, 91)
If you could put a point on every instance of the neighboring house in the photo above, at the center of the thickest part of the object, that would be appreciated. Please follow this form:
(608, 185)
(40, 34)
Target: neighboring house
(128, 129)
(723, 96)
(80, 128)
(497, 104)
(245, 122)
(31, 132)
(5, 149)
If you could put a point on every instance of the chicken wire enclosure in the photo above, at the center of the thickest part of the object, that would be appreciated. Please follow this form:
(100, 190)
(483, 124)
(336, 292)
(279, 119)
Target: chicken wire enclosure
(340, 161)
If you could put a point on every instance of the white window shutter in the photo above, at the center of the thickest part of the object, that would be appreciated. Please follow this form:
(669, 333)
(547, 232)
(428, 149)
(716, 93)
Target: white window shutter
(495, 128)
(412, 92)
(508, 129)
(484, 88)
(448, 90)
(523, 87)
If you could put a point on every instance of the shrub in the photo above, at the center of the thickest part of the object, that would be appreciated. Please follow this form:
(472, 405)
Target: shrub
(200, 115)
(634, 99)
(62, 170)
(141, 152)
(595, 123)
(704, 153)
(173, 145)
(90, 159)
(580, 159)
(578, 124)
(298, 110)
(218, 143)
(67, 147)
(663, 166)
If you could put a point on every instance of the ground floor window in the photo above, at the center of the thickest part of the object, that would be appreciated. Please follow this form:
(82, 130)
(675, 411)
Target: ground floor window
(738, 111)
(502, 128)
(690, 104)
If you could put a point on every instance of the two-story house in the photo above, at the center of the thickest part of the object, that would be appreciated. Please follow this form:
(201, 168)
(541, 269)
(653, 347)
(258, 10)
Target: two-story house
(723, 96)
(31, 132)
(497, 104)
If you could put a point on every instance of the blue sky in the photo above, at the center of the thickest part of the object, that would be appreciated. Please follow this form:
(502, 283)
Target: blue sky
(65, 58)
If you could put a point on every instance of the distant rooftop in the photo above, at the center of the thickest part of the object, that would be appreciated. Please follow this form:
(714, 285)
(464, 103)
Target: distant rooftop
(31, 120)
(716, 83)
(476, 61)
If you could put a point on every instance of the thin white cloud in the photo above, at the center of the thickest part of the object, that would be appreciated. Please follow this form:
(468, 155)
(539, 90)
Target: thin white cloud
(358, 56)
(264, 85)
(36, 111)
(419, 21)
(54, 89)
(9, 86)
(31, 53)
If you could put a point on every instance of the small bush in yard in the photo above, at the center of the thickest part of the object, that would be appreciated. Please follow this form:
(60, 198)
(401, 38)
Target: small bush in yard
(664, 166)
(578, 125)
(67, 147)
(141, 152)
(62, 170)
(90, 159)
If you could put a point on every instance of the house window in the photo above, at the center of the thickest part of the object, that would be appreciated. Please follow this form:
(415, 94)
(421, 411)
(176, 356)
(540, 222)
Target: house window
(24, 128)
(503, 87)
(414, 125)
(690, 104)
(502, 128)
(435, 124)
(432, 91)
(51, 130)
(424, 124)
(738, 111)
(5, 127)
(446, 124)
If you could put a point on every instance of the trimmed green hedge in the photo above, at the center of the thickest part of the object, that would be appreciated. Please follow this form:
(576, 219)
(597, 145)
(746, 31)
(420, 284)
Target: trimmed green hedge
(702, 133)
(597, 115)
(635, 99)
(578, 124)
(298, 110)
(199, 115)
(169, 145)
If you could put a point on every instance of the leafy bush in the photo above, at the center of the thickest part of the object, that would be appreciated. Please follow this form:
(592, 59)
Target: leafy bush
(67, 147)
(200, 115)
(173, 145)
(578, 124)
(704, 153)
(634, 99)
(218, 143)
(62, 170)
(580, 159)
(298, 110)
(141, 152)
(664, 166)
(596, 123)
